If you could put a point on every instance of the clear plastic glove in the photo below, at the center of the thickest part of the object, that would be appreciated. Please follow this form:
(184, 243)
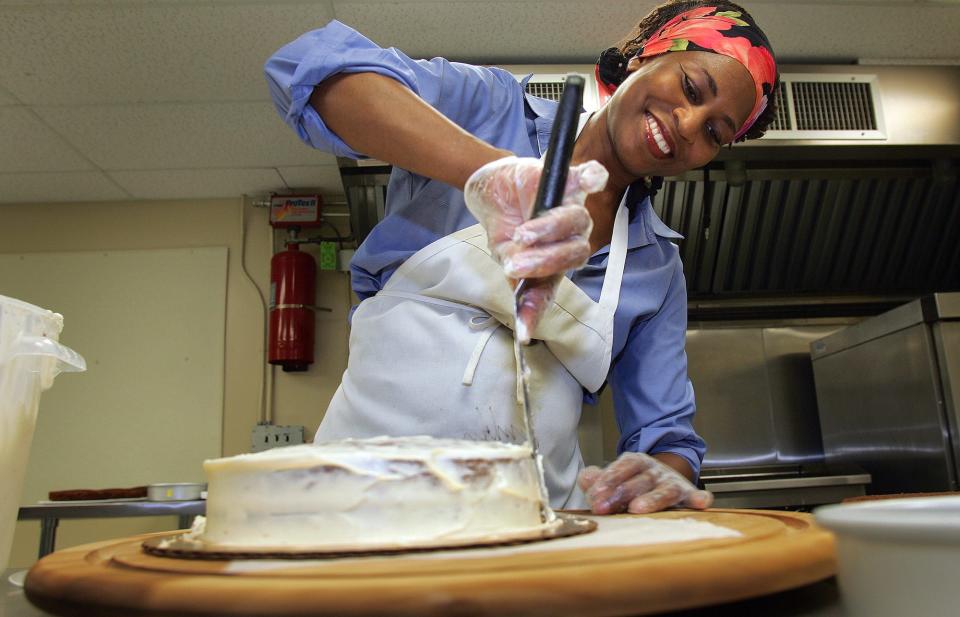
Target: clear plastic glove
(639, 483)
(501, 196)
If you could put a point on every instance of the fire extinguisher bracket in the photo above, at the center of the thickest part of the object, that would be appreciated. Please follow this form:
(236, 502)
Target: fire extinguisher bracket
(302, 306)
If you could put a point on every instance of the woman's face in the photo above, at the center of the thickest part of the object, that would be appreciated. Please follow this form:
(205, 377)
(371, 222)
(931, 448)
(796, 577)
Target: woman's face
(674, 111)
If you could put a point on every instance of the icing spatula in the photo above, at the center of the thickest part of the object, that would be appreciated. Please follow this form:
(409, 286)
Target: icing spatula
(553, 180)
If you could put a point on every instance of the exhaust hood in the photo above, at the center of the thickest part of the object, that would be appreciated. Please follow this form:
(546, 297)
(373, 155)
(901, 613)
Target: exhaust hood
(852, 191)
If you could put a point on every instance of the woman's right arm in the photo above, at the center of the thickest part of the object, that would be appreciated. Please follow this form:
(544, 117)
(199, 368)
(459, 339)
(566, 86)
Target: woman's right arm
(383, 119)
(344, 94)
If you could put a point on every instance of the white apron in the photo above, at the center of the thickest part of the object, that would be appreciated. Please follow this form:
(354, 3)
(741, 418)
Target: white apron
(432, 354)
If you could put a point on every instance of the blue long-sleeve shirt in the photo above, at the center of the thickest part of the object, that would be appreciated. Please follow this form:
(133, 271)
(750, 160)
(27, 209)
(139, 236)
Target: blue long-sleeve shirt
(653, 397)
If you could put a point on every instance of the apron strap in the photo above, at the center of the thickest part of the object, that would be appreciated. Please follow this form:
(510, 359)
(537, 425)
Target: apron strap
(489, 325)
(610, 292)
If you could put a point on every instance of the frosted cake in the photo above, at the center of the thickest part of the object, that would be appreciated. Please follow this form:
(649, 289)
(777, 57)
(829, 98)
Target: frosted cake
(385, 491)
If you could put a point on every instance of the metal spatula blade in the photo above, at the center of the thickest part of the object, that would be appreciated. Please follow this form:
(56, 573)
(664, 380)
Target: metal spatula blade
(549, 194)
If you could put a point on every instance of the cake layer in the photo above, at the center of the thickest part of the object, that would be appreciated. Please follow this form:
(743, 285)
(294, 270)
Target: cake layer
(381, 491)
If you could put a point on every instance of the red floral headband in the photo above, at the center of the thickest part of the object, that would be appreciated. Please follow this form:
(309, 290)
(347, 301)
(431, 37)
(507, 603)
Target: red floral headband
(722, 32)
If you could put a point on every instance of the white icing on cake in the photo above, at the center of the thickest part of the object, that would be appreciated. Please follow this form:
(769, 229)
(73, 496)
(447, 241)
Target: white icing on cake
(385, 491)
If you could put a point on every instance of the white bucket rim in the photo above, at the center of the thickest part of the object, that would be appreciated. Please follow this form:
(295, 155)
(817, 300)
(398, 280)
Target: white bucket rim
(57, 318)
(933, 519)
(25, 305)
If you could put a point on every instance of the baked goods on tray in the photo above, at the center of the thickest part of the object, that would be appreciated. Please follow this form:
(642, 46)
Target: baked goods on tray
(85, 494)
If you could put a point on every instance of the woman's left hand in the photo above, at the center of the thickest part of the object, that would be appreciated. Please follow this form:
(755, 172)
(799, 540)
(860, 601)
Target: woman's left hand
(639, 483)
(501, 196)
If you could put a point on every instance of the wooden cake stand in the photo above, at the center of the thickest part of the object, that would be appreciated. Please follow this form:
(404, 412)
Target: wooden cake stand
(777, 551)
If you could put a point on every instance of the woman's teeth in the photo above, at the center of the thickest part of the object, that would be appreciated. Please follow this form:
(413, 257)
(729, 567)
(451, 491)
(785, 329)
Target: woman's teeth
(654, 127)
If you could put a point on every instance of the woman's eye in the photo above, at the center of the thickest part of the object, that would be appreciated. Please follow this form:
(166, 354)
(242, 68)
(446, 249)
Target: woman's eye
(690, 90)
(714, 134)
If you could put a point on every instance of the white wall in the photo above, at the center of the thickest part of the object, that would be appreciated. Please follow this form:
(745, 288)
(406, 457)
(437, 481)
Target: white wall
(299, 398)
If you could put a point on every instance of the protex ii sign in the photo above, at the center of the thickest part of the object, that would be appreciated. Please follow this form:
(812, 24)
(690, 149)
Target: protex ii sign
(295, 210)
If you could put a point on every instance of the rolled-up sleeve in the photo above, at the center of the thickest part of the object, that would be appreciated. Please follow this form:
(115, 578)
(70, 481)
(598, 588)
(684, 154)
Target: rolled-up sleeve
(653, 396)
(455, 90)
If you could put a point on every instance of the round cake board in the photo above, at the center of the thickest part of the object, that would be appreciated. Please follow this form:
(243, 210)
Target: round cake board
(182, 546)
(776, 551)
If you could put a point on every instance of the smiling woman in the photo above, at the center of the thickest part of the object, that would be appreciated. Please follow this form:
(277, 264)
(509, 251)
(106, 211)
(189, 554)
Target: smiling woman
(689, 104)
(431, 348)
(696, 25)
(715, 88)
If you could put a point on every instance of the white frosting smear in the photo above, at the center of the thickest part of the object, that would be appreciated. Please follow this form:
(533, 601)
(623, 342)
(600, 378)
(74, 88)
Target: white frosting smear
(386, 491)
(612, 532)
(662, 531)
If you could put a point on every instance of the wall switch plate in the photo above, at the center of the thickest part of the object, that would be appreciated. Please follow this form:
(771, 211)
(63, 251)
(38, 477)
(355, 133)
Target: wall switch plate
(267, 436)
(344, 258)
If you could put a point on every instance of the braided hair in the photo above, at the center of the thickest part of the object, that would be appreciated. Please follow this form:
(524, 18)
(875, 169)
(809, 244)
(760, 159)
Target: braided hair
(612, 65)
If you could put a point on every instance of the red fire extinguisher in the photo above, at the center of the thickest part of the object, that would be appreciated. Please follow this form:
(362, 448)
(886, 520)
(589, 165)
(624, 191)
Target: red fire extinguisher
(293, 276)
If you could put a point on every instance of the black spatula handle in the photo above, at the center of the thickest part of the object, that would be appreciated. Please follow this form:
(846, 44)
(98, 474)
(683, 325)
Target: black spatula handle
(554, 176)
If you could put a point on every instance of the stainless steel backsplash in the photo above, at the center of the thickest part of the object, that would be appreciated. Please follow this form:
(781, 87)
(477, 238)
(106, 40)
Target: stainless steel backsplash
(756, 402)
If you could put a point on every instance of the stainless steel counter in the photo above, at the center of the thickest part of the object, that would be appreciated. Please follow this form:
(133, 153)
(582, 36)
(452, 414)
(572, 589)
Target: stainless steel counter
(783, 488)
(49, 515)
(13, 603)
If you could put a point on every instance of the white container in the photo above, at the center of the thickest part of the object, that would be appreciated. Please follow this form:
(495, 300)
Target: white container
(175, 491)
(897, 557)
(30, 359)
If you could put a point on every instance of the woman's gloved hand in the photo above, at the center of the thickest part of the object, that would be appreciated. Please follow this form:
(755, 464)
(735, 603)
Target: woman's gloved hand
(639, 483)
(501, 196)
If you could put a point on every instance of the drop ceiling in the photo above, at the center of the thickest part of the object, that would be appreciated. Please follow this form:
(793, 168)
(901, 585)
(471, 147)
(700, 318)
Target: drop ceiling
(165, 99)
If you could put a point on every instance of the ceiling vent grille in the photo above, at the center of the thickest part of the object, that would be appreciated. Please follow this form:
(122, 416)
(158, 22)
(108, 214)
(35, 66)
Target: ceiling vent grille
(833, 107)
(549, 85)
(546, 89)
(827, 106)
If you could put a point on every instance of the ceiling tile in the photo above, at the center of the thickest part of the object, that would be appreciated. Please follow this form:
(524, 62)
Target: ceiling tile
(325, 178)
(63, 186)
(545, 31)
(6, 98)
(147, 51)
(147, 85)
(197, 183)
(490, 31)
(861, 31)
(137, 50)
(60, 3)
(181, 136)
(28, 145)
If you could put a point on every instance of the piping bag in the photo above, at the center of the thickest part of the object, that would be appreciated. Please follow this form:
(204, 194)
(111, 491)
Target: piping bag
(553, 180)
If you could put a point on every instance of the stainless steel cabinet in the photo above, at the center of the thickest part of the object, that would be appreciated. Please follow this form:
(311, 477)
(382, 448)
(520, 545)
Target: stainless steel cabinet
(888, 390)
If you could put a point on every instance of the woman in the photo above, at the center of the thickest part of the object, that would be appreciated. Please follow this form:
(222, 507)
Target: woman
(431, 343)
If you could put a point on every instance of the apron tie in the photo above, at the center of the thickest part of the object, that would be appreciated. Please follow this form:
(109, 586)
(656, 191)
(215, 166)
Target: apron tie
(488, 324)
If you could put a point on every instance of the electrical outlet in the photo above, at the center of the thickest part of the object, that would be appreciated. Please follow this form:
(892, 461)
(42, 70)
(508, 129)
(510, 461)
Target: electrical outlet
(267, 436)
